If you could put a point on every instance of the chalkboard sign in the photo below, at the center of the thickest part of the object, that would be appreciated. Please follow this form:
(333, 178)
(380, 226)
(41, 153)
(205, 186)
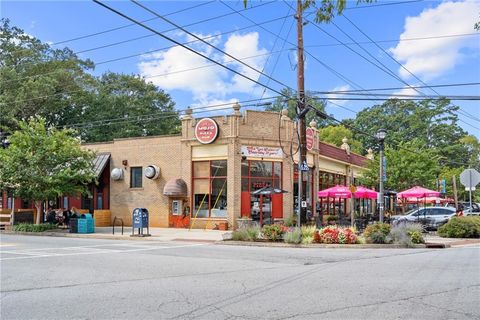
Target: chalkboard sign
(140, 218)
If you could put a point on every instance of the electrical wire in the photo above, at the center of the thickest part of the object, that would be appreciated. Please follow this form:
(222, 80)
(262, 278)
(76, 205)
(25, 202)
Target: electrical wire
(125, 26)
(396, 40)
(398, 145)
(399, 88)
(392, 58)
(149, 35)
(207, 43)
(214, 106)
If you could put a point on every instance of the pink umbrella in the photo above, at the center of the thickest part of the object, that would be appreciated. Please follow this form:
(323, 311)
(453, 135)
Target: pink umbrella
(418, 192)
(335, 192)
(365, 193)
(427, 200)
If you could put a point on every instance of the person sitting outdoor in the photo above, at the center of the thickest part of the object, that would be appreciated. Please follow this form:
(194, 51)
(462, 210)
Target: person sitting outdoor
(51, 216)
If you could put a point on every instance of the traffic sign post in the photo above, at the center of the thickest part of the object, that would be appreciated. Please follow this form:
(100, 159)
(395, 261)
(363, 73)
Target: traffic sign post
(303, 166)
(469, 178)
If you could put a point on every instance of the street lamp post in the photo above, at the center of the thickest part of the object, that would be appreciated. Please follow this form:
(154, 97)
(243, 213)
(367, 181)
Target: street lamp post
(381, 134)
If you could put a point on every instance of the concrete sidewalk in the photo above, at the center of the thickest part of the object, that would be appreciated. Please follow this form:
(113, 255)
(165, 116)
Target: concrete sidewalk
(157, 234)
(451, 242)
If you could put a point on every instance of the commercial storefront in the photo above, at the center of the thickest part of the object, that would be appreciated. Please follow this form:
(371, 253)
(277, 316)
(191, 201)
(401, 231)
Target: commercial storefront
(205, 176)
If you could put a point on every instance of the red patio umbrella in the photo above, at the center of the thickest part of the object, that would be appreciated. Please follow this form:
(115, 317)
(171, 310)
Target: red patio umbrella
(365, 193)
(418, 192)
(341, 192)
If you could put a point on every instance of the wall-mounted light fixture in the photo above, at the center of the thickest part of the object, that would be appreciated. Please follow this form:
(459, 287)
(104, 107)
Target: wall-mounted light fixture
(125, 163)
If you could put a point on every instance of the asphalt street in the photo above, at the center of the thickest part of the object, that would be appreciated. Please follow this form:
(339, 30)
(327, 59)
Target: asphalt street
(69, 278)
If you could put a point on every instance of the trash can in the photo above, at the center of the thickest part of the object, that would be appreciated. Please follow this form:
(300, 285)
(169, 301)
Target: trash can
(83, 224)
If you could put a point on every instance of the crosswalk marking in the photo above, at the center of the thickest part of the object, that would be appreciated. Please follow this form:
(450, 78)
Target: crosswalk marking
(40, 253)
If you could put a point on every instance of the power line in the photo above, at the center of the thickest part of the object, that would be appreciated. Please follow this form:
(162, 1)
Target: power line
(326, 66)
(146, 36)
(398, 145)
(147, 77)
(392, 58)
(399, 88)
(185, 47)
(214, 107)
(383, 4)
(207, 43)
(396, 40)
(127, 25)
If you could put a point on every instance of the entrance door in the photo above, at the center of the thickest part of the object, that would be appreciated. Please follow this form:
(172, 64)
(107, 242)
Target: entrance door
(179, 217)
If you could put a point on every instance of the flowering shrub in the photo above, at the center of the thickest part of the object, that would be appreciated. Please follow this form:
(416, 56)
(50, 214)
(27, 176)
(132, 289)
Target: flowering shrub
(273, 232)
(334, 234)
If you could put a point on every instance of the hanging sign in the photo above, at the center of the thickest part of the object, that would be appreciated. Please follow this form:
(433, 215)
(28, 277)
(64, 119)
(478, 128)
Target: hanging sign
(310, 134)
(261, 152)
(206, 130)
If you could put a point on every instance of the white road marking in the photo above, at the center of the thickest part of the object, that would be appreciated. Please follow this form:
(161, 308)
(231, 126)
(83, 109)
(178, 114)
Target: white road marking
(100, 251)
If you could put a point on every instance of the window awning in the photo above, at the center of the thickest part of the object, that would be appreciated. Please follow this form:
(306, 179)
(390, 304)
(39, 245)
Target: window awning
(175, 188)
(100, 162)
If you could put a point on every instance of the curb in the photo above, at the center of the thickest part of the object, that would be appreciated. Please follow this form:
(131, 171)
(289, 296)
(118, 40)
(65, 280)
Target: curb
(322, 245)
(103, 237)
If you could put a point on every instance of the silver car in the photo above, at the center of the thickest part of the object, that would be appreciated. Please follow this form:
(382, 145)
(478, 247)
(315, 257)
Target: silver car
(430, 217)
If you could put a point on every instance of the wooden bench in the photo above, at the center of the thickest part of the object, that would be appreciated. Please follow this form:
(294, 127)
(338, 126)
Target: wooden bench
(5, 218)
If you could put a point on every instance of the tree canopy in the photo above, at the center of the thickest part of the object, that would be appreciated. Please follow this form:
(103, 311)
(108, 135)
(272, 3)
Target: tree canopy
(433, 123)
(335, 134)
(43, 163)
(404, 167)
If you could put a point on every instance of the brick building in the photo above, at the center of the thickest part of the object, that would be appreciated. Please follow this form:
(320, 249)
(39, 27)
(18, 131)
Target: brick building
(206, 175)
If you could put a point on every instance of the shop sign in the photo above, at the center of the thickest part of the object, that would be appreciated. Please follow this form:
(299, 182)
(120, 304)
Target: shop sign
(310, 134)
(261, 152)
(206, 130)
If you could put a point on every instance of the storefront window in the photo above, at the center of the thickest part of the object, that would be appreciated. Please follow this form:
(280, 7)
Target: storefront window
(257, 175)
(330, 206)
(210, 189)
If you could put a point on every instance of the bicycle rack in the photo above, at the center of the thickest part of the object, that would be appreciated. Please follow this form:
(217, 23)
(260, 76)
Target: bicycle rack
(113, 227)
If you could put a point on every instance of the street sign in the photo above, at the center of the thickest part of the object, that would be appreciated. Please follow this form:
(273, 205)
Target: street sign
(384, 169)
(304, 204)
(469, 178)
(303, 166)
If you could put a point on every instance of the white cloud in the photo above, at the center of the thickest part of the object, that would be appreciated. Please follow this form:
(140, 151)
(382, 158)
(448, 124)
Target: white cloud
(243, 46)
(338, 95)
(433, 57)
(218, 106)
(207, 83)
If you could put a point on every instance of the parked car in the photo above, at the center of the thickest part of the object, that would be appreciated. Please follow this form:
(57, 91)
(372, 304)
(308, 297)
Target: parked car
(430, 217)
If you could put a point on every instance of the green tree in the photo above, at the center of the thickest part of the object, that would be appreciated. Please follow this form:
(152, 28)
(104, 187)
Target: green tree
(122, 106)
(473, 146)
(36, 80)
(327, 9)
(44, 163)
(434, 123)
(290, 104)
(405, 168)
(335, 134)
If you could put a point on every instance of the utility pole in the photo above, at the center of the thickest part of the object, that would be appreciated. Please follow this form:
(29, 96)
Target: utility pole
(300, 106)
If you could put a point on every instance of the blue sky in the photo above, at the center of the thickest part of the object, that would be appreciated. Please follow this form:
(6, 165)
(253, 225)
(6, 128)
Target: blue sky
(450, 55)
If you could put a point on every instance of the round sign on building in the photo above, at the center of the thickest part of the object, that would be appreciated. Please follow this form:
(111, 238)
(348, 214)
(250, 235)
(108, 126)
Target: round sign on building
(310, 134)
(206, 130)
